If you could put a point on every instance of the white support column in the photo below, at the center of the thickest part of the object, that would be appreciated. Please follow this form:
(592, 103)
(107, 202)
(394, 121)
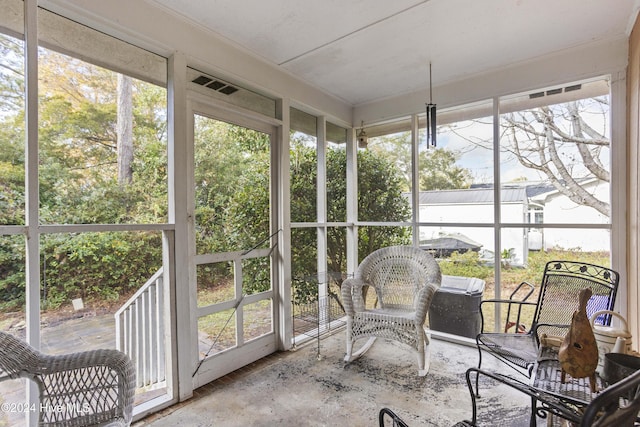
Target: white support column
(31, 170)
(282, 192)
(32, 312)
(618, 185)
(181, 208)
(352, 202)
(168, 308)
(415, 179)
(322, 198)
(497, 229)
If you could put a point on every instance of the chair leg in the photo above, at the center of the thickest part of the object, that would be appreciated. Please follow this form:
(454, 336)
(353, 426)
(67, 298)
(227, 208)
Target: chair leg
(351, 356)
(424, 355)
(479, 367)
(474, 396)
(424, 362)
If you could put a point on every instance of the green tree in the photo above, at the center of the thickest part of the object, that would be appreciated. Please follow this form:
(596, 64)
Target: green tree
(438, 171)
(232, 186)
(78, 178)
(436, 167)
(12, 178)
(380, 199)
(396, 148)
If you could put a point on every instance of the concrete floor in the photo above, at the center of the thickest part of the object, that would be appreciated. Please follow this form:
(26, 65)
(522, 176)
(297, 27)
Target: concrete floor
(296, 389)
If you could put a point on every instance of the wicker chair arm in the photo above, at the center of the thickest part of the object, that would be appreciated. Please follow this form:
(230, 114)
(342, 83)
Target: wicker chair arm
(16, 357)
(353, 295)
(113, 359)
(423, 301)
(95, 386)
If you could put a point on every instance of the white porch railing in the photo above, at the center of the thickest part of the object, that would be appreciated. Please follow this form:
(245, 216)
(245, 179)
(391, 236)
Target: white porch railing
(140, 332)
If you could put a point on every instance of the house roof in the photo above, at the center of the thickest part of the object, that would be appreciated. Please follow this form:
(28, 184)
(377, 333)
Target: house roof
(445, 244)
(472, 196)
(547, 192)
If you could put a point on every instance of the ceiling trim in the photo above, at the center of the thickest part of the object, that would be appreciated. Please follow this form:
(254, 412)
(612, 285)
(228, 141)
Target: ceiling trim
(581, 63)
(154, 29)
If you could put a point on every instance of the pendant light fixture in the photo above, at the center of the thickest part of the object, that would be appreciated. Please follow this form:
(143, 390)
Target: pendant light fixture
(431, 116)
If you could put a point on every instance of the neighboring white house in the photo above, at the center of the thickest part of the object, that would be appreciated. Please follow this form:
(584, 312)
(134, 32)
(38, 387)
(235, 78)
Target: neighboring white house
(558, 209)
(521, 203)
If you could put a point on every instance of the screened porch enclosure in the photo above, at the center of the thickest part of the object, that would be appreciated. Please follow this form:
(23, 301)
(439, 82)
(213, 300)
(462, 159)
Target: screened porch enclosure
(199, 220)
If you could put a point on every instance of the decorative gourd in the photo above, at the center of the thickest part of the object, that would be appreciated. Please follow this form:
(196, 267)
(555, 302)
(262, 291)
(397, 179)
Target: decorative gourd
(578, 354)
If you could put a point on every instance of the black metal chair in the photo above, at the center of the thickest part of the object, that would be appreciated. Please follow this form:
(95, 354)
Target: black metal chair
(387, 414)
(617, 405)
(557, 300)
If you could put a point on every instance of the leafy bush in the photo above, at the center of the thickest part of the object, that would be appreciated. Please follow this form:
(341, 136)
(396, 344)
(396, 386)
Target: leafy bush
(98, 267)
(465, 264)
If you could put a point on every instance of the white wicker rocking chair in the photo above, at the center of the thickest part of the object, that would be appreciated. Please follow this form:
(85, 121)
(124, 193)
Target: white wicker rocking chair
(405, 279)
(91, 388)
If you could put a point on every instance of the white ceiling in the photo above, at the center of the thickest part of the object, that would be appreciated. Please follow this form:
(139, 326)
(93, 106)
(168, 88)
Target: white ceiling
(366, 50)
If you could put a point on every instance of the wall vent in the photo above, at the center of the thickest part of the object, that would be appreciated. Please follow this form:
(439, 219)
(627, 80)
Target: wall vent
(217, 85)
(555, 91)
(228, 90)
(201, 80)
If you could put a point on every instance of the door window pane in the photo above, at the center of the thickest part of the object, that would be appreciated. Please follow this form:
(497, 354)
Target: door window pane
(216, 333)
(256, 275)
(232, 185)
(215, 282)
(258, 319)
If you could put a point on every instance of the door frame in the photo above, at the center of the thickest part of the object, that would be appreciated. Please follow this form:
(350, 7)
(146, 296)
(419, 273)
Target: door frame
(227, 361)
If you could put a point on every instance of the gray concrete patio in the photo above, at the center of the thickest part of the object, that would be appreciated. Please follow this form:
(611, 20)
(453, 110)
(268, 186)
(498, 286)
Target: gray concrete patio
(295, 388)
